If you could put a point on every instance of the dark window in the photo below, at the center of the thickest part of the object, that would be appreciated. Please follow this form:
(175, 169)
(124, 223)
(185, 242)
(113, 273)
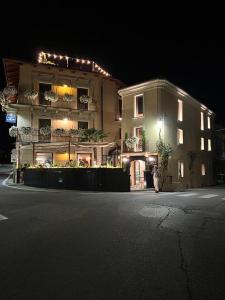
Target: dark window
(139, 105)
(120, 133)
(81, 92)
(120, 107)
(43, 87)
(82, 125)
(44, 123)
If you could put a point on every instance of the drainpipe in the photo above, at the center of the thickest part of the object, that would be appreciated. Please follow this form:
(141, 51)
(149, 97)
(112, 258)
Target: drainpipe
(102, 115)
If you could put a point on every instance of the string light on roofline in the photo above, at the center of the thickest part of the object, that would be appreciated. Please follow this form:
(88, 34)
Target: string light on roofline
(42, 58)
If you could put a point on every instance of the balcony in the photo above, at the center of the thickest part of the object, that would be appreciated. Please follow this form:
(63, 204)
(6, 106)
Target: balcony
(139, 147)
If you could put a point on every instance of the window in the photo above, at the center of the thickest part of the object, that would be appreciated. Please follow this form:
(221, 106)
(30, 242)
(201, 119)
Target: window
(203, 169)
(120, 133)
(209, 122)
(180, 136)
(180, 169)
(138, 132)
(139, 106)
(84, 159)
(82, 125)
(120, 108)
(44, 87)
(180, 110)
(209, 145)
(202, 143)
(44, 123)
(202, 120)
(81, 92)
(44, 157)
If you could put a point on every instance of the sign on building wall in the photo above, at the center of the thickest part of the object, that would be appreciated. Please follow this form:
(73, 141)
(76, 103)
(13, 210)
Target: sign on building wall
(10, 118)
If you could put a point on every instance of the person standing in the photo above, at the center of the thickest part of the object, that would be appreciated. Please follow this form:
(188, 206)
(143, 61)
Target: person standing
(155, 173)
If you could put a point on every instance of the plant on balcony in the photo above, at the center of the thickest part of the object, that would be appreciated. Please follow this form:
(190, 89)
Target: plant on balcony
(131, 142)
(30, 94)
(74, 132)
(3, 100)
(68, 97)
(59, 131)
(13, 131)
(91, 135)
(45, 130)
(25, 130)
(10, 91)
(51, 96)
(85, 99)
(7, 96)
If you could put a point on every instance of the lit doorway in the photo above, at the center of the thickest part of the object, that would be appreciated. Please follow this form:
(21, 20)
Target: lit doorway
(137, 168)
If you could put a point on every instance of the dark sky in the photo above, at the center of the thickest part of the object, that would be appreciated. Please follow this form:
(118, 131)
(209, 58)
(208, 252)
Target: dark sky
(135, 48)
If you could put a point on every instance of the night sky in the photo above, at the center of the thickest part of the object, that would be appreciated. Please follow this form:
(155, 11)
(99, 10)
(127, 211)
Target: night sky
(132, 49)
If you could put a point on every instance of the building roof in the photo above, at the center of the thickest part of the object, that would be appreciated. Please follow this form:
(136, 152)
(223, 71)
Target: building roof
(12, 66)
(157, 83)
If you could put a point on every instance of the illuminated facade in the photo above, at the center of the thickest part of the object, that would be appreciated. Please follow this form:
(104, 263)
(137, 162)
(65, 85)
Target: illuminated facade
(63, 94)
(156, 110)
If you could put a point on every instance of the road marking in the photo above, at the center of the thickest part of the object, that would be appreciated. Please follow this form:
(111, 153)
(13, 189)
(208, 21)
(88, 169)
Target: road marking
(208, 196)
(187, 195)
(2, 218)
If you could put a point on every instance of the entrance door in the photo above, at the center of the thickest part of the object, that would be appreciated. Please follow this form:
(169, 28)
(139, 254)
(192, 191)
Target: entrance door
(137, 169)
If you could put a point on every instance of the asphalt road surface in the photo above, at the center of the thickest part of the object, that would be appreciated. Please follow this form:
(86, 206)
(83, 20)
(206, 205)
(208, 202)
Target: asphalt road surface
(103, 246)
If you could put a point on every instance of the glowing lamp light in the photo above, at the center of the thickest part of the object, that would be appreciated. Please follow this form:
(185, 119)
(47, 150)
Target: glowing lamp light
(159, 124)
(125, 159)
(65, 119)
(65, 85)
(120, 119)
(151, 159)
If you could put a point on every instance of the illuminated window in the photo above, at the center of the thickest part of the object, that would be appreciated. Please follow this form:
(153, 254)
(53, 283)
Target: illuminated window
(180, 110)
(138, 132)
(202, 143)
(139, 106)
(180, 169)
(203, 169)
(180, 136)
(202, 120)
(209, 145)
(209, 122)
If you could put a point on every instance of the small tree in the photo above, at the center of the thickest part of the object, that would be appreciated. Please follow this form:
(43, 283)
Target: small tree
(192, 157)
(164, 151)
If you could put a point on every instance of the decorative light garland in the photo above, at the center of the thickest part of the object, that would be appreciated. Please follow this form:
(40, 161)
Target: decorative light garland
(43, 59)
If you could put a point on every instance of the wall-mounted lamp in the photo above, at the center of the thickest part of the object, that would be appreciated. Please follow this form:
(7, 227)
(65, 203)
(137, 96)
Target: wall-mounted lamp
(125, 159)
(151, 159)
(159, 126)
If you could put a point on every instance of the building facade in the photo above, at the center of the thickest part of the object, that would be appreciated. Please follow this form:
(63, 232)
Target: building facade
(158, 110)
(87, 97)
(59, 96)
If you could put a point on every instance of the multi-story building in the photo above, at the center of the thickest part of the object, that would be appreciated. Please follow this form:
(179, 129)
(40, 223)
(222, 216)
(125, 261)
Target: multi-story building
(59, 92)
(62, 93)
(156, 110)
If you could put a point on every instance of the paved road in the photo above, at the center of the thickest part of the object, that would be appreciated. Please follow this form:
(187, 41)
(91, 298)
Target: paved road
(103, 246)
